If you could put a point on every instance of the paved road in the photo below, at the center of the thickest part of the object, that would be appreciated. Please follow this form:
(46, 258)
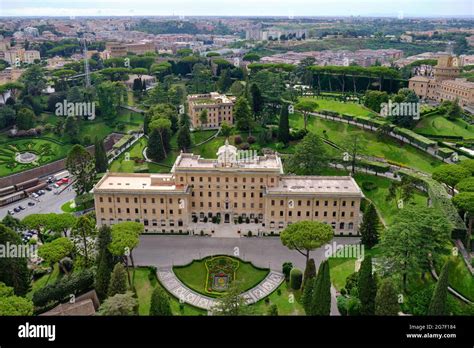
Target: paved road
(48, 203)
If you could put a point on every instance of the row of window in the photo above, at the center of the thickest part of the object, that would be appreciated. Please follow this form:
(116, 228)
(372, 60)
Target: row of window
(218, 194)
(342, 225)
(135, 200)
(137, 211)
(316, 213)
(227, 205)
(308, 203)
(218, 179)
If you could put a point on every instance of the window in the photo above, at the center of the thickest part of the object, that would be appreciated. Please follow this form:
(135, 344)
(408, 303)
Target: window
(135, 200)
(325, 213)
(343, 203)
(144, 200)
(101, 199)
(333, 214)
(326, 203)
(110, 199)
(351, 226)
(118, 199)
(335, 204)
(352, 203)
(136, 210)
(341, 226)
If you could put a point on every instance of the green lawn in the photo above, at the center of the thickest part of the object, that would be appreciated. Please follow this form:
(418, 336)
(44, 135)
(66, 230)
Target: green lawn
(145, 288)
(459, 276)
(288, 302)
(341, 107)
(439, 125)
(388, 209)
(340, 269)
(389, 149)
(194, 275)
(44, 280)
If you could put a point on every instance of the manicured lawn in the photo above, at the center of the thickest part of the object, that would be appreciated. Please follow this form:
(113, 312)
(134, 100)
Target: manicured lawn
(341, 107)
(388, 209)
(388, 148)
(459, 276)
(145, 288)
(288, 302)
(439, 125)
(194, 275)
(340, 269)
(123, 166)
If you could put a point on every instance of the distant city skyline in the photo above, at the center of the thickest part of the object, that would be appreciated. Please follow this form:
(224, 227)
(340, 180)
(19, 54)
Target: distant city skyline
(294, 8)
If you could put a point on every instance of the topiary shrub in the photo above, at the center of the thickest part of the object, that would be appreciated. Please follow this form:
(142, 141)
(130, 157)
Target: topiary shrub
(244, 146)
(251, 139)
(238, 140)
(286, 269)
(249, 234)
(296, 278)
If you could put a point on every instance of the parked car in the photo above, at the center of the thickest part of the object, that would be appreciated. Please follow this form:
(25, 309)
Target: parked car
(16, 209)
(34, 195)
(31, 203)
(56, 185)
(42, 192)
(48, 188)
(21, 207)
(11, 212)
(50, 180)
(39, 193)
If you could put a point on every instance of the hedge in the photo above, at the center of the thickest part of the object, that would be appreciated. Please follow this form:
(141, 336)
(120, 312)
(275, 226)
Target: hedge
(73, 284)
(378, 167)
(414, 137)
(296, 278)
(445, 152)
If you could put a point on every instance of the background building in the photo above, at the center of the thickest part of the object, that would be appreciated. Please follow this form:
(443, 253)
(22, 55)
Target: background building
(219, 109)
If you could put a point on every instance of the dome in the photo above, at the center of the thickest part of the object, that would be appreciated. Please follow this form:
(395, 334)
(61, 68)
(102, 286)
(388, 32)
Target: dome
(227, 154)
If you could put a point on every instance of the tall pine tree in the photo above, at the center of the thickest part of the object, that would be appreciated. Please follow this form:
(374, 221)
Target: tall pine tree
(155, 146)
(369, 229)
(438, 304)
(184, 138)
(105, 262)
(367, 287)
(257, 100)
(284, 125)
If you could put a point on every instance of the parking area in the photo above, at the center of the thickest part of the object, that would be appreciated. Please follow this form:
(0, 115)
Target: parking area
(48, 202)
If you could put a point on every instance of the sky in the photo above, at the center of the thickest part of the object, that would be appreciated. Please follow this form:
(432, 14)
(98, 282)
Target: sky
(287, 8)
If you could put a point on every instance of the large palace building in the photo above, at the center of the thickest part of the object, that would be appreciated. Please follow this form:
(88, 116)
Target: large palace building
(219, 109)
(445, 84)
(234, 187)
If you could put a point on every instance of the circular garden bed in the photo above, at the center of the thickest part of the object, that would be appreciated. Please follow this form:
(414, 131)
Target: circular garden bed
(212, 275)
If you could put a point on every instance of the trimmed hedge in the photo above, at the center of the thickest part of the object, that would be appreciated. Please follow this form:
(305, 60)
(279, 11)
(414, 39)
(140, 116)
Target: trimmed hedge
(445, 152)
(414, 137)
(296, 278)
(73, 284)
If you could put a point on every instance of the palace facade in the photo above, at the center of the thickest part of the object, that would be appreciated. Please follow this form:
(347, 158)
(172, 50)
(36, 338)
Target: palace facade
(219, 109)
(235, 186)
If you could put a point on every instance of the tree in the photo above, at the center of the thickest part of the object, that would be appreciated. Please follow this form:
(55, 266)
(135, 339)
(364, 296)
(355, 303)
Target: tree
(438, 304)
(402, 190)
(415, 234)
(369, 229)
(308, 294)
(310, 156)
(125, 237)
(354, 148)
(110, 95)
(242, 114)
(13, 305)
(367, 288)
(34, 80)
(453, 111)
(224, 81)
(12, 222)
(160, 303)
(101, 160)
(118, 281)
(7, 116)
(466, 185)
(304, 236)
(161, 128)
(232, 303)
(273, 310)
(203, 118)
(14, 271)
(155, 149)
(257, 100)
(386, 301)
(450, 174)
(305, 106)
(464, 202)
(321, 300)
(309, 271)
(284, 125)
(468, 164)
(184, 138)
(84, 232)
(105, 262)
(80, 164)
(25, 119)
(71, 128)
(120, 304)
(55, 251)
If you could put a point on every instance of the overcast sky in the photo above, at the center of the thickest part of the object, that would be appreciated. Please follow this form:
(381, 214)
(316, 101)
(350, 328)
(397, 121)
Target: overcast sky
(393, 8)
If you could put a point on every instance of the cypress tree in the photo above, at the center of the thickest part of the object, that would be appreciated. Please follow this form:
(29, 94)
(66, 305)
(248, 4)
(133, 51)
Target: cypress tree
(184, 138)
(155, 146)
(386, 301)
(257, 100)
(101, 161)
(369, 229)
(367, 287)
(105, 263)
(308, 294)
(309, 271)
(321, 301)
(118, 280)
(284, 125)
(273, 310)
(438, 304)
(160, 303)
